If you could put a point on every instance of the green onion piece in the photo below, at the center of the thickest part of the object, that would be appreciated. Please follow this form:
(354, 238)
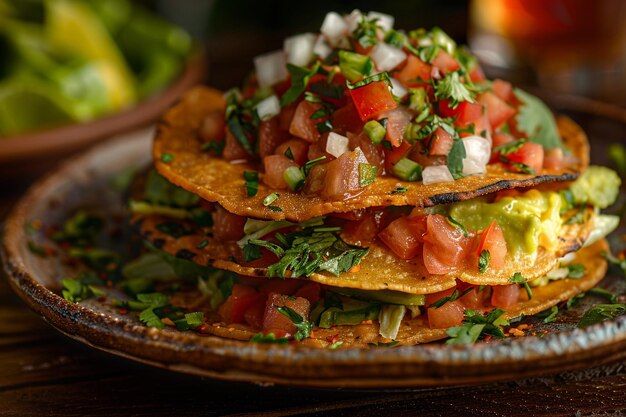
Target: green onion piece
(395, 38)
(252, 182)
(310, 164)
(408, 170)
(294, 177)
(289, 154)
(367, 174)
(383, 76)
(166, 158)
(375, 131)
(270, 199)
(354, 66)
(418, 99)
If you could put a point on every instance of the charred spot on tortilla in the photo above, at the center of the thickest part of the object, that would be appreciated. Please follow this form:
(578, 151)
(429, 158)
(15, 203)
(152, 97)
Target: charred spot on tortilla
(217, 180)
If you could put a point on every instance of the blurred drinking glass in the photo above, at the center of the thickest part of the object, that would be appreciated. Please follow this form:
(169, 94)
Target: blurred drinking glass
(564, 46)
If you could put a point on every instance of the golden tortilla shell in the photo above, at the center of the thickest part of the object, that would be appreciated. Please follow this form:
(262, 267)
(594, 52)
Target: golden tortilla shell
(379, 270)
(416, 331)
(217, 180)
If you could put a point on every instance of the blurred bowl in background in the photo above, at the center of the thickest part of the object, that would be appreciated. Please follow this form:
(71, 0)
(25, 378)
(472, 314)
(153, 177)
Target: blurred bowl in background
(32, 153)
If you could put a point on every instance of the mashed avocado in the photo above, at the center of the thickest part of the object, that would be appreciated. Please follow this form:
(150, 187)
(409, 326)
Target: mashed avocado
(598, 186)
(528, 221)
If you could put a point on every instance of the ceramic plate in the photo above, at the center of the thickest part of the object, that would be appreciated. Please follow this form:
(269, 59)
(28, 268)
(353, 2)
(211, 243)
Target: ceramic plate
(86, 181)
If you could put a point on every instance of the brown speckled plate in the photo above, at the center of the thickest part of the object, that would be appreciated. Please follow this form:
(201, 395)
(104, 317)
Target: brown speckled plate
(86, 181)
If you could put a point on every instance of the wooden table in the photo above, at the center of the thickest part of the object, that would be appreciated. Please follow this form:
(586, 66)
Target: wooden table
(43, 373)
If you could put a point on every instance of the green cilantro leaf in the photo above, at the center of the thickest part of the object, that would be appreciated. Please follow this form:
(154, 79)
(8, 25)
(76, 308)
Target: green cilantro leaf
(536, 120)
(268, 339)
(451, 87)
(600, 313)
(475, 326)
(82, 288)
(252, 182)
(548, 316)
(518, 278)
(483, 261)
(304, 326)
(455, 158)
(300, 77)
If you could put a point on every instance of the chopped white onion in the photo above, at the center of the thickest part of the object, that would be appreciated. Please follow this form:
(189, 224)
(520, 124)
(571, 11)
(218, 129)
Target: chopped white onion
(436, 174)
(270, 68)
(477, 155)
(353, 19)
(334, 27)
(385, 21)
(299, 49)
(397, 89)
(387, 57)
(558, 273)
(268, 108)
(336, 145)
(321, 48)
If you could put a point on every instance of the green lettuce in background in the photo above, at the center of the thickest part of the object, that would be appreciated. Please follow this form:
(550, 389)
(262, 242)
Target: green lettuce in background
(75, 60)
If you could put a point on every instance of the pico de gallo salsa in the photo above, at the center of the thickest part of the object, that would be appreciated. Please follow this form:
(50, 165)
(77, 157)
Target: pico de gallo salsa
(331, 112)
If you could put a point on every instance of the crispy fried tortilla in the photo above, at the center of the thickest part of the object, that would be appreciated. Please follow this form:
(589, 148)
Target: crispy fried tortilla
(416, 331)
(379, 270)
(218, 180)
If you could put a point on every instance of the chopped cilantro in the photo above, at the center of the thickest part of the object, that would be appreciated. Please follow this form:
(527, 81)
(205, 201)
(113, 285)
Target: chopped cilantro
(214, 146)
(601, 292)
(452, 297)
(483, 261)
(268, 339)
(365, 32)
(310, 164)
(536, 120)
(509, 148)
(458, 225)
(518, 278)
(82, 288)
(367, 174)
(475, 326)
(174, 229)
(382, 76)
(289, 154)
(300, 77)
(600, 313)
(399, 190)
(452, 88)
(523, 168)
(303, 325)
(252, 182)
(167, 158)
(455, 158)
(548, 316)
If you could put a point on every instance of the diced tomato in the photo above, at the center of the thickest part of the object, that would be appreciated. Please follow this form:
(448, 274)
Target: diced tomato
(341, 180)
(286, 286)
(414, 71)
(445, 246)
(275, 166)
(312, 291)
(361, 232)
(394, 155)
(445, 62)
(505, 295)
(212, 128)
(286, 116)
(475, 299)
(233, 149)
(448, 315)
(436, 296)
(319, 80)
(270, 136)
(477, 74)
(492, 240)
(315, 180)
(530, 154)
(346, 119)
(404, 236)
(500, 139)
(226, 225)
(465, 113)
(554, 159)
(397, 121)
(241, 299)
(281, 87)
(373, 153)
(498, 111)
(274, 321)
(372, 100)
(253, 316)
(440, 142)
(502, 89)
(299, 150)
(302, 125)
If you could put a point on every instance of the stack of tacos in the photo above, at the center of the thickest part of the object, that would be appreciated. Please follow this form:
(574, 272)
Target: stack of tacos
(370, 186)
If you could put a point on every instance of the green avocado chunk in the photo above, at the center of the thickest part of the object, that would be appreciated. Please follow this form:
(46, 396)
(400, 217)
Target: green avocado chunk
(598, 186)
